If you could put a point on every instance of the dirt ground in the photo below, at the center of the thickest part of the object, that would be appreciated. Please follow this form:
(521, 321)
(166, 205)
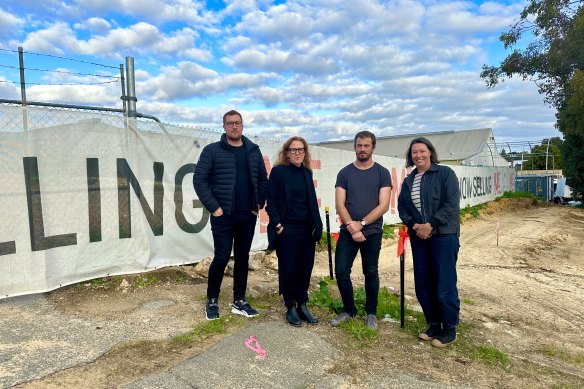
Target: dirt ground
(521, 296)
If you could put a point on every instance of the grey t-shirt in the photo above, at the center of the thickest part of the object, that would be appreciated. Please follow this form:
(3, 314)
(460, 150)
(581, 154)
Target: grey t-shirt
(362, 187)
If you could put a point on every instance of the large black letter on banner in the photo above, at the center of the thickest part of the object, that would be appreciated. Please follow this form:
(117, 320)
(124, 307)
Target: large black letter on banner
(178, 202)
(38, 240)
(7, 248)
(127, 177)
(93, 200)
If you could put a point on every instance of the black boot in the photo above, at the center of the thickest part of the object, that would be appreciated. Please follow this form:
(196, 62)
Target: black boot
(305, 314)
(292, 316)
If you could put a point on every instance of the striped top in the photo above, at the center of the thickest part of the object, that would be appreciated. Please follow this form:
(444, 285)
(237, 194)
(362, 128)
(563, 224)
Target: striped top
(416, 197)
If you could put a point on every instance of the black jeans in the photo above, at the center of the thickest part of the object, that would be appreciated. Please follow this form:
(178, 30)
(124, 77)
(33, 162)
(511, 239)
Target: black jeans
(295, 250)
(231, 232)
(345, 254)
(435, 278)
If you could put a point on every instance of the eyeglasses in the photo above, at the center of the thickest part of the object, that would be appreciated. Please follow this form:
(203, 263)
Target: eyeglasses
(300, 150)
(232, 124)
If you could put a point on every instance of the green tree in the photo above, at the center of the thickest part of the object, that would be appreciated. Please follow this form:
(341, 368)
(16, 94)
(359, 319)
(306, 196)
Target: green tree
(542, 156)
(574, 163)
(556, 28)
(554, 60)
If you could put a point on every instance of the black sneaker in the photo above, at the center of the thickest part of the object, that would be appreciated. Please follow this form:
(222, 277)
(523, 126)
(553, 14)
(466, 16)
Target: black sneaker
(431, 332)
(212, 309)
(446, 337)
(242, 307)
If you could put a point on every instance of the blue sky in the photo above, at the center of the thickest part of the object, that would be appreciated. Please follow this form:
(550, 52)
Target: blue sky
(320, 69)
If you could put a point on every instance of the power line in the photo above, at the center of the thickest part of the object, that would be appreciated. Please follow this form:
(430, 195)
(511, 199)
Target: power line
(65, 58)
(115, 79)
(57, 71)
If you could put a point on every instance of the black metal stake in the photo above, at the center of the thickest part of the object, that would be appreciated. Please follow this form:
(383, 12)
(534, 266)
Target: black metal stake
(328, 241)
(402, 287)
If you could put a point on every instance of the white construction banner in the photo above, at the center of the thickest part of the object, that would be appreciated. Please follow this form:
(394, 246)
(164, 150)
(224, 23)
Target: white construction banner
(86, 195)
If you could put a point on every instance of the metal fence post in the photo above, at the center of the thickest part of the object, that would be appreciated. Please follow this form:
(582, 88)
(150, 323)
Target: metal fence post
(23, 99)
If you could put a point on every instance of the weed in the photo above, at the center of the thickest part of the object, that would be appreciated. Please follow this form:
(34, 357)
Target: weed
(97, 281)
(182, 278)
(388, 303)
(322, 297)
(265, 300)
(564, 355)
(206, 329)
(322, 245)
(358, 330)
(388, 231)
(490, 355)
(518, 195)
(468, 301)
(472, 212)
(146, 281)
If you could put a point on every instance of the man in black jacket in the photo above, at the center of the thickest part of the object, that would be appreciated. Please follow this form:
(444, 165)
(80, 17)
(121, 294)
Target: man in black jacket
(231, 182)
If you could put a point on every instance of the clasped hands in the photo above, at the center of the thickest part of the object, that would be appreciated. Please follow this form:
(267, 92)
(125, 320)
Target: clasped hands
(423, 231)
(354, 227)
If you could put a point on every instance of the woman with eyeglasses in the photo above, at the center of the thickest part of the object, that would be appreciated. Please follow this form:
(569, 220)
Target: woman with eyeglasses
(295, 226)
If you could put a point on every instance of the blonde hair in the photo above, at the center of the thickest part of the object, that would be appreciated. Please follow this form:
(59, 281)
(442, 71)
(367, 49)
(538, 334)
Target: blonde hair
(283, 154)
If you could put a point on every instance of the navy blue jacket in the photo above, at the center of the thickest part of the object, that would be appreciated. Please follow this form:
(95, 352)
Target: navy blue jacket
(280, 201)
(214, 178)
(440, 195)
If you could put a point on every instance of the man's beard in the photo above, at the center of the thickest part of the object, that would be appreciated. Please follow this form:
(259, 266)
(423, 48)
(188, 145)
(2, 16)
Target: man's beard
(364, 157)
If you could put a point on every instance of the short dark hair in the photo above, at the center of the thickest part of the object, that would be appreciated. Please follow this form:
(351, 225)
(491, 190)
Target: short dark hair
(363, 135)
(429, 145)
(231, 113)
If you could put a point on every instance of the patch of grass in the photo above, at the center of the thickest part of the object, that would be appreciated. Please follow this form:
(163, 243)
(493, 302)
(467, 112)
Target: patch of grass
(388, 303)
(265, 301)
(489, 355)
(357, 329)
(322, 245)
(99, 282)
(471, 212)
(206, 329)
(182, 278)
(322, 297)
(518, 195)
(486, 354)
(564, 355)
(146, 281)
(388, 231)
(468, 301)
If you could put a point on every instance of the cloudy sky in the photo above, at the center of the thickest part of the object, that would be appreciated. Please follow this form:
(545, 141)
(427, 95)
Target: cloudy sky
(320, 69)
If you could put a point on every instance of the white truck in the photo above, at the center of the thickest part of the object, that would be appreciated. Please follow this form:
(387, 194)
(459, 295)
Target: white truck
(562, 192)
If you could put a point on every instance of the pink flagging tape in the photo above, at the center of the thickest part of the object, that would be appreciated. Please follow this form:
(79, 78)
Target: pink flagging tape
(253, 344)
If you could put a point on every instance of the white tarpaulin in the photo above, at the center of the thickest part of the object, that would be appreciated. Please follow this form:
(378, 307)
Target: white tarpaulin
(89, 196)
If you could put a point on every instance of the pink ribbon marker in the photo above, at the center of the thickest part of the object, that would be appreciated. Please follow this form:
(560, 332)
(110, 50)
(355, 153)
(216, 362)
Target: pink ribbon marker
(253, 344)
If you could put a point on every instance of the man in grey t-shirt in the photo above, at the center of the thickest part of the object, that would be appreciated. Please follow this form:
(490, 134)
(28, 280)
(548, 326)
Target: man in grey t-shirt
(362, 193)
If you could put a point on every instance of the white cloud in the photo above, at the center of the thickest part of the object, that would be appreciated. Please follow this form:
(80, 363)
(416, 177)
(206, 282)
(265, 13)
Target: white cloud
(95, 25)
(321, 69)
(153, 10)
(94, 95)
(190, 80)
(9, 23)
(141, 38)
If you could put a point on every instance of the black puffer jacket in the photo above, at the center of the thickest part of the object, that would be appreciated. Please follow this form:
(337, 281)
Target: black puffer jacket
(214, 178)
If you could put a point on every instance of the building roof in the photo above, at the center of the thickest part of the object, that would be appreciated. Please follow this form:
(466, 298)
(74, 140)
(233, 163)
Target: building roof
(449, 145)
